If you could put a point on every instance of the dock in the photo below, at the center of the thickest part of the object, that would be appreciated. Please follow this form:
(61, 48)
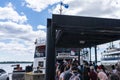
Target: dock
(27, 76)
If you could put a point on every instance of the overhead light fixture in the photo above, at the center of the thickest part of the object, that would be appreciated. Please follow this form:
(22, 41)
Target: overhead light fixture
(82, 33)
(81, 42)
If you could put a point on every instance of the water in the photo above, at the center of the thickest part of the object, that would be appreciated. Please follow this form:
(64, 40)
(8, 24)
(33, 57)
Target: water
(9, 69)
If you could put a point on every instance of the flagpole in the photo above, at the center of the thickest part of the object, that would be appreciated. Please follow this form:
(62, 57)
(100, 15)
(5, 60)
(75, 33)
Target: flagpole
(60, 8)
(62, 4)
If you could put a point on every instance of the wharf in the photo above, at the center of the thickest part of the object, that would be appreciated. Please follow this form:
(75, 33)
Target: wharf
(27, 76)
(34, 76)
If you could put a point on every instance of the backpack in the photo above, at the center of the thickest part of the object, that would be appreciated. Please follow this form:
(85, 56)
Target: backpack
(67, 76)
(75, 77)
(115, 76)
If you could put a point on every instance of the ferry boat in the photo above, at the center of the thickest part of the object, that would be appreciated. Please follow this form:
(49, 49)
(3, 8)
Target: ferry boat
(110, 56)
(61, 54)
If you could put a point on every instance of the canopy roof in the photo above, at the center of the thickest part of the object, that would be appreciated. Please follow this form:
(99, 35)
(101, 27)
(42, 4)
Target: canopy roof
(81, 32)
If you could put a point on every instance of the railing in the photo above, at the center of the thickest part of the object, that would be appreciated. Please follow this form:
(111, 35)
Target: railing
(113, 58)
(27, 76)
(17, 75)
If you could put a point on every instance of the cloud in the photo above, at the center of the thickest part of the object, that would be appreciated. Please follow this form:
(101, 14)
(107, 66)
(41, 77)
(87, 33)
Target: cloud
(17, 36)
(11, 25)
(39, 5)
(14, 31)
(41, 27)
(8, 13)
(18, 39)
(14, 51)
(96, 8)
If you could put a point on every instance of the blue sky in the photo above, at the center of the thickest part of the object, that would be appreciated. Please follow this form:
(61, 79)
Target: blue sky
(22, 21)
(34, 17)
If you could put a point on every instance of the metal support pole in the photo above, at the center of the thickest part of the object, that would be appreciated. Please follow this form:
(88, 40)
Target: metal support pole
(60, 8)
(95, 54)
(79, 55)
(90, 54)
(50, 50)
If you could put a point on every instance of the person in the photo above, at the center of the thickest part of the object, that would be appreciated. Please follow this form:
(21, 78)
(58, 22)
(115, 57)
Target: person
(67, 73)
(61, 70)
(115, 74)
(75, 74)
(38, 70)
(86, 71)
(18, 68)
(28, 68)
(101, 74)
(93, 74)
(63, 73)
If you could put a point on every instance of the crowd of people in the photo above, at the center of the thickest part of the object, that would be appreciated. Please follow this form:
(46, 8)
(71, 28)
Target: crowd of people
(72, 70)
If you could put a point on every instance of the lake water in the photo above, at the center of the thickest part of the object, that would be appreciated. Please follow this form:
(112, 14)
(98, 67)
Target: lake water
(9, 69)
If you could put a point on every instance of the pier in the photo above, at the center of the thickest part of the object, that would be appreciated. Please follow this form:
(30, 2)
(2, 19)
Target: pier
(27, 76)
(67, 31)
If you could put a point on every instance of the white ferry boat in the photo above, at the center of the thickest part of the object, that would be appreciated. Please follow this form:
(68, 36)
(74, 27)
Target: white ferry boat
(40, 55)
(110, 56)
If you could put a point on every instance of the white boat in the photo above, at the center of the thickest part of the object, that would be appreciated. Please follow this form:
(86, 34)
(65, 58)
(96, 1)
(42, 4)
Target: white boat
(40, 56)
(110, 56)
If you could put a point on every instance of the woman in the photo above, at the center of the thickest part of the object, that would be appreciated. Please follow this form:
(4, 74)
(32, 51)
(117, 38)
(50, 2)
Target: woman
(101, 74)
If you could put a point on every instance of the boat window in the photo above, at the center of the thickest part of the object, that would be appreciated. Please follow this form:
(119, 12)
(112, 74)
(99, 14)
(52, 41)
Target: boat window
(119, 55)
(116, 56)
(40, 51)
(40, 63)
(111, 56)
(70, 51)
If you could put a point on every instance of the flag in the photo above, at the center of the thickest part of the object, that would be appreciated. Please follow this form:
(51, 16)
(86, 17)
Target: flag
(65, 5)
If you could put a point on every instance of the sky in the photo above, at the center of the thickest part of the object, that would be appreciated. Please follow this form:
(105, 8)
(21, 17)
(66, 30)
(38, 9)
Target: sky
(24, 21)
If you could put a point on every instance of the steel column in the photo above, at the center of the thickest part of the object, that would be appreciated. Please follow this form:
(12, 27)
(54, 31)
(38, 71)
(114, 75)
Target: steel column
(50, 50)
(79, 56)
(95, 54)
(90, 54)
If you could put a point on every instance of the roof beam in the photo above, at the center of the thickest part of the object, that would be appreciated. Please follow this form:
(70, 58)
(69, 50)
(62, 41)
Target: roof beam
(83, 22)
